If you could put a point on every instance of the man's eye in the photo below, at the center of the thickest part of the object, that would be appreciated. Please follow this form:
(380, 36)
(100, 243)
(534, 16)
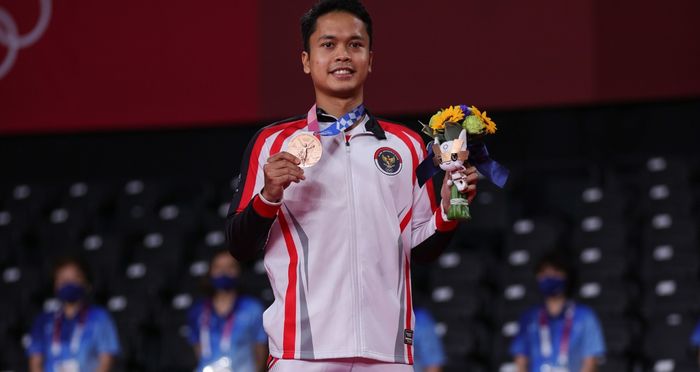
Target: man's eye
(356, 45)
(327, 45)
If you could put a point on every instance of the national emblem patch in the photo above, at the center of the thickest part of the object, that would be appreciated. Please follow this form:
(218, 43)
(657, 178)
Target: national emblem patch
(388, 161)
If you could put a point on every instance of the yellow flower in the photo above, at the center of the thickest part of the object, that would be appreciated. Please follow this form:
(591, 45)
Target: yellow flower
(437, 121)
(452, 114)
(489, 125)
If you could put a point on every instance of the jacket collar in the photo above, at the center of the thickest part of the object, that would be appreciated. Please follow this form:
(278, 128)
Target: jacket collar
(372, 124)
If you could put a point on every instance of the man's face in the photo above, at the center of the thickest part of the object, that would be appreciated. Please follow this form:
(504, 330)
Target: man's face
(339, 58)
(69, 274)
(550, 272)
(225, 264)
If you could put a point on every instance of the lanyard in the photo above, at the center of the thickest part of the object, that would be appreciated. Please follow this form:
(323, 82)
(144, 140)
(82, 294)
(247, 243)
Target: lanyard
(336, 127)
(75, 337)
(546, 338)
(205, 335)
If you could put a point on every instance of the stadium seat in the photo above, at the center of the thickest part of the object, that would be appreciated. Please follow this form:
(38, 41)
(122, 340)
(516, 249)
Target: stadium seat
(460, 339)
(534, 235)
(668, 296)
(133, 317)
(667, 344)
(599, 200)
(175, 352)
(621, 334)
(666, 228)
(458, 268)
(606, 297)
(674, 197)
(614, 365)
(670, 261)
(457, 303)
(513, 299)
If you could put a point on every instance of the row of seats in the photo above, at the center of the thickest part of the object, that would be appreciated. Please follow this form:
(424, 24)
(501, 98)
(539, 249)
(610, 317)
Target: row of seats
(632, 237)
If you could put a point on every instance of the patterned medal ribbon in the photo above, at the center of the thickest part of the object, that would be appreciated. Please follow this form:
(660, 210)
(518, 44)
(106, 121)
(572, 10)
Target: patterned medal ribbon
(336, 127)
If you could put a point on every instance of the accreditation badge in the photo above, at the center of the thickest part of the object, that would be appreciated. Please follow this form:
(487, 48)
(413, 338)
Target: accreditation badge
(70, 365)
(307, 148)
(220, 365)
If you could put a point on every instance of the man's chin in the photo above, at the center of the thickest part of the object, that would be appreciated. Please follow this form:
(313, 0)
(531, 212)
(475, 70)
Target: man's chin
(344, 92)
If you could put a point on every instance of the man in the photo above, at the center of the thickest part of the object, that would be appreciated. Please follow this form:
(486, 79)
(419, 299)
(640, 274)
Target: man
(560, 335)
(76, 337)
(226, 329)
(338, 235)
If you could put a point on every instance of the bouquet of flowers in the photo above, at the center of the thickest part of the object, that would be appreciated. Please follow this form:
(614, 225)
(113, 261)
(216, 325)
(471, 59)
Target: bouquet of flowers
(450, 129)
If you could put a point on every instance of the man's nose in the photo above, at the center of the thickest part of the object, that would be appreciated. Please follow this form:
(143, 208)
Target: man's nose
(343, 54)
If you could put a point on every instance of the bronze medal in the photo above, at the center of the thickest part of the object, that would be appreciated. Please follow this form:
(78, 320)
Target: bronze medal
(307, 148)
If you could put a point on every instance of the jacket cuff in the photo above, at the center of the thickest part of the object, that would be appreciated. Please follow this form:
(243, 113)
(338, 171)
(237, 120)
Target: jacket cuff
(442, 224)
(264, 207)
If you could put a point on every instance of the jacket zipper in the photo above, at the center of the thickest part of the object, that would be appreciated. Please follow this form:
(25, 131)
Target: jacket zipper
(353, 247)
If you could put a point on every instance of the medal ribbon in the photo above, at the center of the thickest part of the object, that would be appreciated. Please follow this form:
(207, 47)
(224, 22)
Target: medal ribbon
(75, 337)
(205, 335)
(546, 338)
(336, 127)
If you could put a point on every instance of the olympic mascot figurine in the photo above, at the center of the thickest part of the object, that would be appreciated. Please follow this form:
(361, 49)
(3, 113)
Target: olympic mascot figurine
(450, 129)
(450, 156)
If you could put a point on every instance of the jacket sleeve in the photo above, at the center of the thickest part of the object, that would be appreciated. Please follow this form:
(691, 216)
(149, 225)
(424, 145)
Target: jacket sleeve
(250, 218)
(431, 231)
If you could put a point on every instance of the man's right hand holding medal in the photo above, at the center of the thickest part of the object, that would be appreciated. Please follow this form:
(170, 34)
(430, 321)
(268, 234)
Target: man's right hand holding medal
(280, 171)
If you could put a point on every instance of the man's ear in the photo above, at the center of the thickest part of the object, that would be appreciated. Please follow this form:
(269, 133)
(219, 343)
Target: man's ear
(371, 54)
(305, 62)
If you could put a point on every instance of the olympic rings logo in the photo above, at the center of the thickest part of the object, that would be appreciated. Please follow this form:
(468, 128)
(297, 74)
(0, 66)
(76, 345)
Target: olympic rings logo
(13, 41)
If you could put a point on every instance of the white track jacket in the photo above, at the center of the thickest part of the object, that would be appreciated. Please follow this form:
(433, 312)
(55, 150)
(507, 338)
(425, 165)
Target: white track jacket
(337, 250)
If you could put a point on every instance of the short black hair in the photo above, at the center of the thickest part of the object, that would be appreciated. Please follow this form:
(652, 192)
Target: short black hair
(556, 260)
(322, 7)
(76, 262)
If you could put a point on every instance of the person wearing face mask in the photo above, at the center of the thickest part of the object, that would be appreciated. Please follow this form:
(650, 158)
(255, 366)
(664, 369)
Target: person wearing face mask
(559, 335)
(78, 336)
(226, 328)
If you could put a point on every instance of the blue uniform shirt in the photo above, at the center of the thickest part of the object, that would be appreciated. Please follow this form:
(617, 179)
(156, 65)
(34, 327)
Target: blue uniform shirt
(247, 331)
(426, 345)
(695, 339)
(586, 338)
(99, 336)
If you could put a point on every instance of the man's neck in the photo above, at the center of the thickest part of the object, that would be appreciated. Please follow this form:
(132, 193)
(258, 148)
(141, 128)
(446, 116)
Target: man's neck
(70, 310)
(555, 305)
(337, 106)
(223, 301)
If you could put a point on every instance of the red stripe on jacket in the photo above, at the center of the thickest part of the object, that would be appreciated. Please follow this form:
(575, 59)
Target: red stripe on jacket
(290, 300)
(404, 134)
(251, 175)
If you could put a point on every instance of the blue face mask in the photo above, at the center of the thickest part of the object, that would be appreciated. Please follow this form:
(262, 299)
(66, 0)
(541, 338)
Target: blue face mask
(551, 286)
(70, 292)
(224, 282)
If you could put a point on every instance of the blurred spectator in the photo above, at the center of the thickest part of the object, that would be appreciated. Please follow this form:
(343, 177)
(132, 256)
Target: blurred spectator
(695, 340)
(429, 354)
(559, 335)
(78, 336)
(227, 331)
